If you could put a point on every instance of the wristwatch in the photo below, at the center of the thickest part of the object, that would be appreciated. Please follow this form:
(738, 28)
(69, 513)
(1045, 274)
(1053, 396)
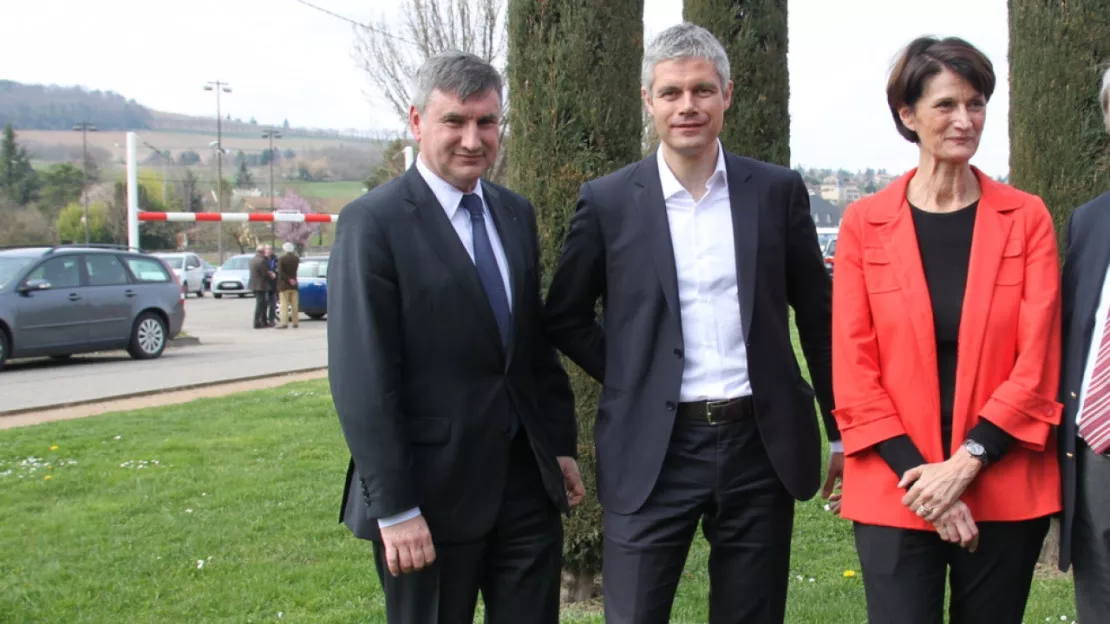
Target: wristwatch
(976, 450)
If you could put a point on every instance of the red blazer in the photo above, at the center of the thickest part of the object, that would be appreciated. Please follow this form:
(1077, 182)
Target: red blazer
(885, 361)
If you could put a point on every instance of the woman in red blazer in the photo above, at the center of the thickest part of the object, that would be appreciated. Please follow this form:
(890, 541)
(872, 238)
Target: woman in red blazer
(946, 353)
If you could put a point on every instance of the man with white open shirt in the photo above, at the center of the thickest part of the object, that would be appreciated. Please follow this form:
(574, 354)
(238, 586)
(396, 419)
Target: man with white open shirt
(1085, 393)
(704, 416)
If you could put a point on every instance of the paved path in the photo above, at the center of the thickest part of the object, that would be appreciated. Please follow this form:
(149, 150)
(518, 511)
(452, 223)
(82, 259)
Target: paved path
(229, 349)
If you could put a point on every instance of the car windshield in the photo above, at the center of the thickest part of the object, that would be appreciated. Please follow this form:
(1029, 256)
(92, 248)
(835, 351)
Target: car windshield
(11, 267)
(313, 268)
(238, 263)
(174, 261)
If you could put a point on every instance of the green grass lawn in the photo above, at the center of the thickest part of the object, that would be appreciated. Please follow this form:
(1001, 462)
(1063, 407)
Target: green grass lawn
(112, 525)
(347, 190)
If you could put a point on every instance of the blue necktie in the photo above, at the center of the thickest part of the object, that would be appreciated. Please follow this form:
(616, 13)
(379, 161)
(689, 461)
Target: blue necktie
(486, 264)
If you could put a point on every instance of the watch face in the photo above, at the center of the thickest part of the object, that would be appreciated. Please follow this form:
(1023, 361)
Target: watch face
(975, 448)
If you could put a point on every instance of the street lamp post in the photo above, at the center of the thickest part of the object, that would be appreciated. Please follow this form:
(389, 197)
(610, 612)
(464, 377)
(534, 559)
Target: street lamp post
(85, 128)
(219, 86)
(271, 134)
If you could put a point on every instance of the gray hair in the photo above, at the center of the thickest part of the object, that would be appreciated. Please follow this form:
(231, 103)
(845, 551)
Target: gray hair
(684, 40)
(1104, 98)
(457, 73)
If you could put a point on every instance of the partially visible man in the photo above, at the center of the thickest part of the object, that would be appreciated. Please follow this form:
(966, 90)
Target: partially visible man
(1085, 393)
(704, 416)
(456, 410)
(271, 286)
(288, 293)
(258, 283)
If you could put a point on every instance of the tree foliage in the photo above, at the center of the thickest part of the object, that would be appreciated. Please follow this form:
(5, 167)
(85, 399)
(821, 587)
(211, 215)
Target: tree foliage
(50, 107)
(18, 180)
(296, 233)
(573, 82)
(754, 35)
(1059, 148)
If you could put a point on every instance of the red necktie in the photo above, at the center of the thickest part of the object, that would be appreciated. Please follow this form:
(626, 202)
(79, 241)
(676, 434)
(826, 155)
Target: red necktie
(1094, 421)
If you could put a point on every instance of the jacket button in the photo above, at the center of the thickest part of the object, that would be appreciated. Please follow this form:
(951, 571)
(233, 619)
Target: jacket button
(1074, 395)
(678, 353)
(1070, 455)
(670, 406)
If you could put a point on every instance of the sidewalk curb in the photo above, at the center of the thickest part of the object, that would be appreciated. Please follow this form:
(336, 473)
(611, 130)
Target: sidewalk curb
(184, 341)
(132, 395)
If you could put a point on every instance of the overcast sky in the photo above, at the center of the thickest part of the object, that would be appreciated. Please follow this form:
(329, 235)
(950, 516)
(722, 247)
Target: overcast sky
(286, 60)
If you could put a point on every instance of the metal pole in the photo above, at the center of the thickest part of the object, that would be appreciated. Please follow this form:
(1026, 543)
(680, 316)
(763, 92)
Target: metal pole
(219, 174)
(273, 241)
(85, 167)
(133, 190)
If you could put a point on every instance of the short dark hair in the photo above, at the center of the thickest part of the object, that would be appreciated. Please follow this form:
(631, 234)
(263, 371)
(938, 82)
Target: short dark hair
(456, 73)
(926, 57)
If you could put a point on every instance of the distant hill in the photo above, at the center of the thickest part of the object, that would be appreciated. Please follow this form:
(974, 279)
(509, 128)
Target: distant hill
(52, 107)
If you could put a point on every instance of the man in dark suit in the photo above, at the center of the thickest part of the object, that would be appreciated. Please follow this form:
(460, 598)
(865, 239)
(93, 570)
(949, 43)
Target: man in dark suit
(456, 410)
(1085, 393)
(704, 414)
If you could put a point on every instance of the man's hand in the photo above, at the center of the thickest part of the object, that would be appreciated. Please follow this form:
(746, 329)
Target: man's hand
(957, 526)
(408, 546)
(937, 486)
(832, 481)
(576, 492)
(292, 282)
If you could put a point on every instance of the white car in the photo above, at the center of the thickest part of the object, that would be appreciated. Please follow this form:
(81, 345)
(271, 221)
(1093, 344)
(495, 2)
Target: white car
(189, 271)
(233, 277)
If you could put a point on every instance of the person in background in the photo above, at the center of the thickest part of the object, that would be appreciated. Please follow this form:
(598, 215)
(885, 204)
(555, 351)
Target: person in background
(288, 293)
(1085, 391)
(271, 286)
(258, 282)
(946, 356)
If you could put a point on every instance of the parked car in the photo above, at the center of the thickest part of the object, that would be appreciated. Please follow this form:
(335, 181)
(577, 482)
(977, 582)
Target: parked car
(209, 271)
(830, 254)
(188, 269)
(233, 277)
(312, 286)
(57, 301)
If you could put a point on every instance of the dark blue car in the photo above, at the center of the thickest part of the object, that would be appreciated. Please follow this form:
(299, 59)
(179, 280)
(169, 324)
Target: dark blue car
(312, 284)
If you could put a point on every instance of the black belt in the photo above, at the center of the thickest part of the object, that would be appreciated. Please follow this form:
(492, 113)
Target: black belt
(715, 412)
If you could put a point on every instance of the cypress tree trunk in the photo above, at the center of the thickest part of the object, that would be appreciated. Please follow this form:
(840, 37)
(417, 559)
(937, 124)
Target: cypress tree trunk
(573, 70)
(757, 124)
(1059, 148)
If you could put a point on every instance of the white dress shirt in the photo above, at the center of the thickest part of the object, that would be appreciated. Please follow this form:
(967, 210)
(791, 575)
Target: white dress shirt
(1096, 341)
(450, 198)
(716, 358)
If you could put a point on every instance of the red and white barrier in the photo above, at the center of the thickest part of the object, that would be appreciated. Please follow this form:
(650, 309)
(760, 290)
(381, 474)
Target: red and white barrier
(239, 217)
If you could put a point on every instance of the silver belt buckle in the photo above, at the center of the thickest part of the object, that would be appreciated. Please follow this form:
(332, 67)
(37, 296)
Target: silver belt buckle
(709, 405)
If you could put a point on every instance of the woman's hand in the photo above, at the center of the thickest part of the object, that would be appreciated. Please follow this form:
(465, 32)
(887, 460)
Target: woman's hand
(957, 526)
(936, 487)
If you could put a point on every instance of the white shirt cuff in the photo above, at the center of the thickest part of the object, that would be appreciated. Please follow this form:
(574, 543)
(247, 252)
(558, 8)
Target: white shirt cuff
(836, 446)
(399, 518)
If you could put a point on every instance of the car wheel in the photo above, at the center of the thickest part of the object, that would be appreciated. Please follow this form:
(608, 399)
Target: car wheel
(5, 347)
(316, 316)
(200, 293)
(148, 337)
(218, 296)
(185, 288)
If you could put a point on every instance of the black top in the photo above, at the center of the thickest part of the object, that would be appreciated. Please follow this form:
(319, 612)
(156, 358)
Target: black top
(944, 242)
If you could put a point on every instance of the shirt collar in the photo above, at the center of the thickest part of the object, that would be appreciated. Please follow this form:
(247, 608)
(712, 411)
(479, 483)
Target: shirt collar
(449, 197)
(671, 185)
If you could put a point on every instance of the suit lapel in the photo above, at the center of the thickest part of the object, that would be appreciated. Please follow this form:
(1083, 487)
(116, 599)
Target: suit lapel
(512, 240)
(744, 201)
(648, 197)
(993, 225)
(899, 240)
(444, 240)
(1095, 277)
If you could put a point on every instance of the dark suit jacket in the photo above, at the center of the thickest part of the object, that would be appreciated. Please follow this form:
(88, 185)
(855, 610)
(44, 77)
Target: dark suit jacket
(619, 248)
(259, 279)
(1085, 263)
(424, 390)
